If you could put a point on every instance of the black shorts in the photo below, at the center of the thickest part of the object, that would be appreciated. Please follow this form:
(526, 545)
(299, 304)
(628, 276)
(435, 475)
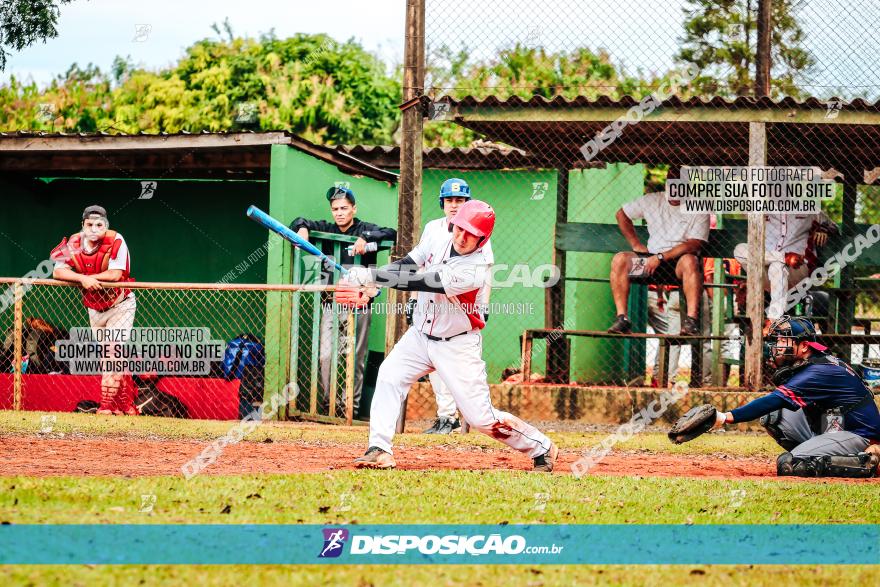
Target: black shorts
(663, 275)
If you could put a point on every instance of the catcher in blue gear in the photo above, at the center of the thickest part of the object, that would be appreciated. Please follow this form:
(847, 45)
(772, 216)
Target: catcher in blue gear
(821, 412)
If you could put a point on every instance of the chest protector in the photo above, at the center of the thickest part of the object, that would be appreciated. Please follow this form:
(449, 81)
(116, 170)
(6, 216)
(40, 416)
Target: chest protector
(71, 252)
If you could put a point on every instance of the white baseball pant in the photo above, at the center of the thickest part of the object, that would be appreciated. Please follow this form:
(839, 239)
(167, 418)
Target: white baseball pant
(459, 363)
(778, 277)
(445, 401)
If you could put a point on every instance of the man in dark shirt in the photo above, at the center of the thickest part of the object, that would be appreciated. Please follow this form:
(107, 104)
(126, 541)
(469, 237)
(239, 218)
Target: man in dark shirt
(820, 411)
(343, 207)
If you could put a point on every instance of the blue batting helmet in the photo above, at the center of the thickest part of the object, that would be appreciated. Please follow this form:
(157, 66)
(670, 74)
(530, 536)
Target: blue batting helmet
(454, 188)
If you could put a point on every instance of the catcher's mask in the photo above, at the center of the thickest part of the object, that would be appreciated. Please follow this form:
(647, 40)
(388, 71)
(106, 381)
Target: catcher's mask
(796, 329)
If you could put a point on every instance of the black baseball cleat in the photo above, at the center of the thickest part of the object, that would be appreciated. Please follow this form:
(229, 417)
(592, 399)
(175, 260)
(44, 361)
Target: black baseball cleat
(375, 458)
(690, 326)
(443, 426)
(546, 462)
(621, 325)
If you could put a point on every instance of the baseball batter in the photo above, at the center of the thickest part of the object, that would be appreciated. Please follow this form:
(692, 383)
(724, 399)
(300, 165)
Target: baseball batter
(93, 255)
(454, 193)
(444, 337)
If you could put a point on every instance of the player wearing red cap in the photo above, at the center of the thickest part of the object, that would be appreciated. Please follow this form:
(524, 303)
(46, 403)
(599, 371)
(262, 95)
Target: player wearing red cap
(444, 337)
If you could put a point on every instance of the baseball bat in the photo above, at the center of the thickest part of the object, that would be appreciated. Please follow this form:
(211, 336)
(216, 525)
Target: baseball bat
(287, 234)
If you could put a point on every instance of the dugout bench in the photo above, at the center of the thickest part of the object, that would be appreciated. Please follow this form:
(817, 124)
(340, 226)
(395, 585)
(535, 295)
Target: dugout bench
(606, 238)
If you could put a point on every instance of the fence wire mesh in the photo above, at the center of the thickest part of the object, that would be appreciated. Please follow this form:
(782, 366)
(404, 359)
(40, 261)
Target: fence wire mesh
(599, 102)
(249, 347)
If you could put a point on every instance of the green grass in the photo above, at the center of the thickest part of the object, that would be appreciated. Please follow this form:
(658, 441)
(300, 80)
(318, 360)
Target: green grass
(441, 576)
(490, 497)
(410, 497)
(733, 444)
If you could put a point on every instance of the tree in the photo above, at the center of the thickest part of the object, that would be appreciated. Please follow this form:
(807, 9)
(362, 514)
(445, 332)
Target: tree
(24, 22)
(720, 38)
(525, 72)
(312, 85)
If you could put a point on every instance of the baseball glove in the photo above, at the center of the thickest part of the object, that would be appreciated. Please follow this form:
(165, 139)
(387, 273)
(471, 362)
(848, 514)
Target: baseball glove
(696, 421)
(353, 296)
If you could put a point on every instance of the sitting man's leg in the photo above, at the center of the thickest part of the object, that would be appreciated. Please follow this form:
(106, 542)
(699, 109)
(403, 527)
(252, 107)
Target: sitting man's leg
(689, 272)
(620, 267)
(781, 278)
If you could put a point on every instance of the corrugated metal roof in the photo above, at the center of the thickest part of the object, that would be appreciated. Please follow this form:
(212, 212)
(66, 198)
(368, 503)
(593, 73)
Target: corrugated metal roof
(839, 135)
(228, 154)
(741, 102)
(465, 158)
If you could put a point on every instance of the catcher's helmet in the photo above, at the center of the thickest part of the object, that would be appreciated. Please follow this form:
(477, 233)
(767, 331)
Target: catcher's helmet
(454, 188)
(476, 217)
(798, 328)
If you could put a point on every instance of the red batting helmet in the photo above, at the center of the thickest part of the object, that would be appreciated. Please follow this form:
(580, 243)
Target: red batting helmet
(476, 217)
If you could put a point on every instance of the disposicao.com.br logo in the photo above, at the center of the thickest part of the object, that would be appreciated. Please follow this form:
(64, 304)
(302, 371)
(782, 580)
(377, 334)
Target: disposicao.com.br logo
(452, 544)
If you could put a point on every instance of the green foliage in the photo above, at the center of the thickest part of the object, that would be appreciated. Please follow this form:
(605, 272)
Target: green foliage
(312, 85)
(24, 22)
(727, 60)
(525, 72)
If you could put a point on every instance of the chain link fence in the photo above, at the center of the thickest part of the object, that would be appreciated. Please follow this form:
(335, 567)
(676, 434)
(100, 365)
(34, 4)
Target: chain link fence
(601, 102)
(203, 351)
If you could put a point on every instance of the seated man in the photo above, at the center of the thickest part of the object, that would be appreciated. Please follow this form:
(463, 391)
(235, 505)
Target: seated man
(343, 208)
(789, 254)
(670, 257)
(821, 411)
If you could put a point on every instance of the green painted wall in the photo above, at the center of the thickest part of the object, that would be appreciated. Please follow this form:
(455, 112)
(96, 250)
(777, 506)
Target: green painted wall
(595, 196)
(298, 183)
(193, 231)
(523, 234)
(189, 231)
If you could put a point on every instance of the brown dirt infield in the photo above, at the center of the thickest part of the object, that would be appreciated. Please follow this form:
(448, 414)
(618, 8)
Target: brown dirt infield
(35, 456)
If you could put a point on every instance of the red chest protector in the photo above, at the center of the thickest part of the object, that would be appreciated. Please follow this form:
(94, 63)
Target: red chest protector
(71, 252)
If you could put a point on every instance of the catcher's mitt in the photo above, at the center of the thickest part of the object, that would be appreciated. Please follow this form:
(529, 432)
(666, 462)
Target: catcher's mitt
(696, 421)
(353, 296)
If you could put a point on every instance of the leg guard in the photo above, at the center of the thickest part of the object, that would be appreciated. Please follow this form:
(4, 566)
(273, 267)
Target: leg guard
(125, 396)
(858, 466)
(109, 390)
(770, 422)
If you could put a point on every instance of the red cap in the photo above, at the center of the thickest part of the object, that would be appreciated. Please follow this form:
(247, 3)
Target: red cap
(476, 217)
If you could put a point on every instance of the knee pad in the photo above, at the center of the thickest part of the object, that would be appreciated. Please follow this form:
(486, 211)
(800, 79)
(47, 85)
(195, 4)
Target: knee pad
(771, 422)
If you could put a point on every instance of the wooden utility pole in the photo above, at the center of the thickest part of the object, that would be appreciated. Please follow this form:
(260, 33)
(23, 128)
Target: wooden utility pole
(762, 59)
(409, 194)
(755, 268)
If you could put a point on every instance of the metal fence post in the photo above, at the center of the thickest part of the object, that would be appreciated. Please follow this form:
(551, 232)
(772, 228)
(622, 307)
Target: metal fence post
(17, 346)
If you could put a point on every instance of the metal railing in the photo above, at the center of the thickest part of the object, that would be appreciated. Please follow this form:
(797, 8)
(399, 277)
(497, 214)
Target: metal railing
(282, 319)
